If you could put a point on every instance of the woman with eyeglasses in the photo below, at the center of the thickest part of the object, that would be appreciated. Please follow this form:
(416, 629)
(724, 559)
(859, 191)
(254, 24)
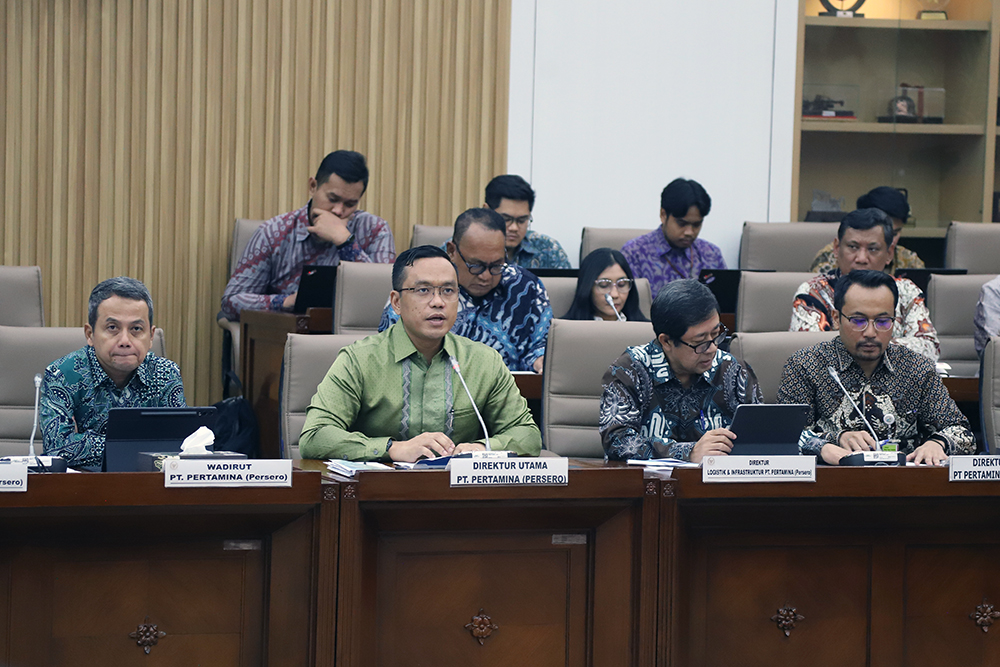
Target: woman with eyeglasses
(605, 275)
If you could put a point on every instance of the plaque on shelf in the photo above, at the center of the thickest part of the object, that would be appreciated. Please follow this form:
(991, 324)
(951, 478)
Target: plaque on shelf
(933, 10)
(829, 102)
(842, 8)
(915, 104)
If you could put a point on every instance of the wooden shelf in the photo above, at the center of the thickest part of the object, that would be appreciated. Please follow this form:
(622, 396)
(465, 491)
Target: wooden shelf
(857, 127)
(894, 24)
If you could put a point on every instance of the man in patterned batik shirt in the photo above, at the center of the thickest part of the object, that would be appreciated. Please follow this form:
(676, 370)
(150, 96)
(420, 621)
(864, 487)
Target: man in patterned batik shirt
(899, 390)
(499, 305)
(114, 370)
(863, 242)
(328, 230)
(676, 395)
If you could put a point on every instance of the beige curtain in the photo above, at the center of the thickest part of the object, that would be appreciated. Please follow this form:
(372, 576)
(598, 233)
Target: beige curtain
(136, 131)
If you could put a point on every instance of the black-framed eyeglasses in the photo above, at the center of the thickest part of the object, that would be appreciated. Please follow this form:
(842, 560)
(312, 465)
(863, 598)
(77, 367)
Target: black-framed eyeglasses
(881, 323)
(605, 284)
(702, 348)
(520, 222)
(447, 293)
(495, 269)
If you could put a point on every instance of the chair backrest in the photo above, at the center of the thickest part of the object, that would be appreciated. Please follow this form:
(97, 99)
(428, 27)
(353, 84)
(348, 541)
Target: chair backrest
(973, 246)
(362, 292)
(783, 246)
(433, 235)
(307, 359)
(766, 354)
(242, 231)
(577, 356)
(607, 237)
(764, 302)
(21, 296)
(562, 290)
(25, 351)
(989, 394)
(952, 301)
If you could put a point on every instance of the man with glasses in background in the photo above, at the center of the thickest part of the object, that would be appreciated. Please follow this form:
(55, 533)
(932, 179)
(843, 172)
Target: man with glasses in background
(513, 199)
(899, 392)
(864, 242)
(675, 396)
(499, 305)
(397, 396)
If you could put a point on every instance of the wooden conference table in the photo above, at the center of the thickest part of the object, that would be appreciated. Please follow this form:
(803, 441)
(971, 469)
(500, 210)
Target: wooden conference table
(620, 567)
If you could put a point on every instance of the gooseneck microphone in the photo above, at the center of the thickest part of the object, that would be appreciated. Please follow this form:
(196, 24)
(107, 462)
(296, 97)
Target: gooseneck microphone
(34, 427)
(454, 364)
(836, 378)
(611, 302)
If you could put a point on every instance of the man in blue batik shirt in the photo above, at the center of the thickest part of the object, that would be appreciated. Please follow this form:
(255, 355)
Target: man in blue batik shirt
(114, 370)
(500, 305)
(675, 396)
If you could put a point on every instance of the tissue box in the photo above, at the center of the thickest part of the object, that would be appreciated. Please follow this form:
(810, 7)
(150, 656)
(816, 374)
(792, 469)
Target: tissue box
(153, 461)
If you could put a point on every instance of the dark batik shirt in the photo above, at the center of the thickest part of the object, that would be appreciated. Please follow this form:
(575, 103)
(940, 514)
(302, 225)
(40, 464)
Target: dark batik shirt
(647, 413)
(904, 399)
(77, 394)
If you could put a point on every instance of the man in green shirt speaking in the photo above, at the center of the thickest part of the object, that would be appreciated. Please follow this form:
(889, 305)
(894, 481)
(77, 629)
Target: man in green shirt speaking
(395, 395)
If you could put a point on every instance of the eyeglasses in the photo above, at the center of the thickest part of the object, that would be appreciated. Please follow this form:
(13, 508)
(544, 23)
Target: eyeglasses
(495, 269)
(605, 284)
(881, 323)
(448, 293)
(520, 222)
(702, 348)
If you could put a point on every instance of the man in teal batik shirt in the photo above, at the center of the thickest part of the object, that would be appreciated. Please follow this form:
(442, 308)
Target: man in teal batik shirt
(395, 396)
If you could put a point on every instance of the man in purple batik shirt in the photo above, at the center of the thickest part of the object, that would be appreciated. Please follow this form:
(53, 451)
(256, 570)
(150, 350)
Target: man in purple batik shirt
(673, 251)
(328, 230)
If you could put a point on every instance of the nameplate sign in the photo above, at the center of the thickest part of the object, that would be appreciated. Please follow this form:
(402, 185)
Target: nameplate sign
(13, 477)
(547, 471)
(974, 468)
(758, 469)
(179, 473)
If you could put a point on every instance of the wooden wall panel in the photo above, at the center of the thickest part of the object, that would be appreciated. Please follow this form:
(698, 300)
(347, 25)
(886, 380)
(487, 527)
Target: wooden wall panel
(135, 131)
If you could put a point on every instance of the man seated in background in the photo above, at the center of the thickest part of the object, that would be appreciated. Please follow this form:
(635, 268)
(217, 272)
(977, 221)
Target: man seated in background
(898, 390)
(395, 396)
(987, 317)
(327, 230)
(863, 242)
(114, 370)
(676, 395)
(500, 305)
(673, 251)
(513, 199)
(893, 203)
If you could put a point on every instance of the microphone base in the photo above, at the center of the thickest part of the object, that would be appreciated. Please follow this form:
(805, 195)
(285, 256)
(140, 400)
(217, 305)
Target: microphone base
(883, 459)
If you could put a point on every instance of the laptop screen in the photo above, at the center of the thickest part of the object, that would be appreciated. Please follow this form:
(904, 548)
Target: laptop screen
(134, 430)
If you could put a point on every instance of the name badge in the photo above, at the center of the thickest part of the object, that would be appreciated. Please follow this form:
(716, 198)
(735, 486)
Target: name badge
(547, 471)
(179, 473)
(758, 469)
(978, 468)
(13, 477)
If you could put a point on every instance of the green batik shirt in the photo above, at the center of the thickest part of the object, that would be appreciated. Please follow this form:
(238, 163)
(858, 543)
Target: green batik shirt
(381, 388)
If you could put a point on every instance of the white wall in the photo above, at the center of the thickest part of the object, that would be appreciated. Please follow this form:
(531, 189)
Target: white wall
(609, 102)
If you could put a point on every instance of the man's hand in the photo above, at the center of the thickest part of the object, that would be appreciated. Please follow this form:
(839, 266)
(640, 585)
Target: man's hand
(539, 362)
(428, 445)
(930, 453)
(717, 442)
(329, 227)
(468, 447)
(832, 454)
(857, 441)
(289, 302)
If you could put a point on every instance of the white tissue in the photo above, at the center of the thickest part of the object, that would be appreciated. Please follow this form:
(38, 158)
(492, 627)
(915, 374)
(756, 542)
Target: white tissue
(198, 441)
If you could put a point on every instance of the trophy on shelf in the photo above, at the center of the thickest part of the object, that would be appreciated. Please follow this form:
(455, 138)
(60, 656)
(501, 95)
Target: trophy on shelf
(933, 10)
(915, 104)
(842, 8)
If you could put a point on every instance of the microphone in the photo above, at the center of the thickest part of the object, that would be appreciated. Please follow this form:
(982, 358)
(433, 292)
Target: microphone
(836, 378)
(34, 427)
(454, 364)
(611, 302)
